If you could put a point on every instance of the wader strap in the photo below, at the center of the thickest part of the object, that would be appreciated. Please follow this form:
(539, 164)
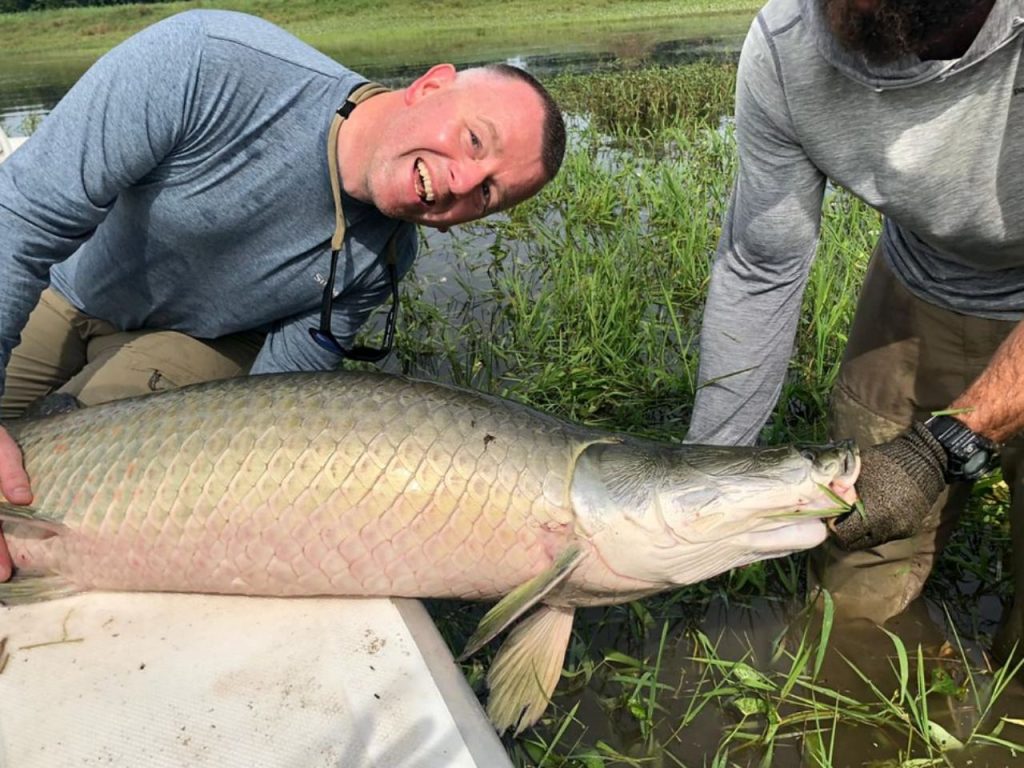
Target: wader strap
(358, 95)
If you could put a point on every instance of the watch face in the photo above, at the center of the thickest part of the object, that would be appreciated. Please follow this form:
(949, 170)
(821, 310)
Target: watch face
(969, 454)
(976, 463)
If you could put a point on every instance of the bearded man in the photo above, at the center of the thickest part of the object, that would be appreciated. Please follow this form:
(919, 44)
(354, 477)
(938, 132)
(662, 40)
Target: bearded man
(917, 108)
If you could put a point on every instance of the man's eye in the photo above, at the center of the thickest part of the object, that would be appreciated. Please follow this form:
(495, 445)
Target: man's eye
(485, 189)
(475, 140)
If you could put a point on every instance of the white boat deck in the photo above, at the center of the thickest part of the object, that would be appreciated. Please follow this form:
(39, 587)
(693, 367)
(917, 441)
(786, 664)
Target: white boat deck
(158, 680)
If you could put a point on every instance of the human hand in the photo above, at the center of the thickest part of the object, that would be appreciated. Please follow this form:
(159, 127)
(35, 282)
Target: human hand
(899, 482)
(15, 487)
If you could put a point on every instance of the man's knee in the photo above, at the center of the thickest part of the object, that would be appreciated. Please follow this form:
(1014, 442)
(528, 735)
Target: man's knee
(144, 362)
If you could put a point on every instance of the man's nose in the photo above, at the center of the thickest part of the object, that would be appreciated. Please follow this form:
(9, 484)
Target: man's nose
(466, 177)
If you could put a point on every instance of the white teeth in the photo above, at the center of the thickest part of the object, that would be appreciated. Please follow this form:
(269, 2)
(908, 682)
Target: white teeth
(428, 186)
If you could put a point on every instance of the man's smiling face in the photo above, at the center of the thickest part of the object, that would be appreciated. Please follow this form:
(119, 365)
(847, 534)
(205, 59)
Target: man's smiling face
(462, 147)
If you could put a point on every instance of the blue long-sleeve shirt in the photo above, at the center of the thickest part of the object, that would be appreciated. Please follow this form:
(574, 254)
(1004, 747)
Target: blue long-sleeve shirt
(183, 184)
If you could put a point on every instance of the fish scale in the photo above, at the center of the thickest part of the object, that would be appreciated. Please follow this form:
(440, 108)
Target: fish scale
(347, 484)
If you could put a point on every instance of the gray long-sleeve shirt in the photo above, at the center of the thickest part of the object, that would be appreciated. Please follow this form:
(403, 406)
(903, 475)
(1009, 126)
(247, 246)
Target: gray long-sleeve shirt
(183, 184)
(936, 146)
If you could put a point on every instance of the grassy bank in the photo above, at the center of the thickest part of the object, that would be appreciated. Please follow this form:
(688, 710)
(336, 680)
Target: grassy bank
(362, 24)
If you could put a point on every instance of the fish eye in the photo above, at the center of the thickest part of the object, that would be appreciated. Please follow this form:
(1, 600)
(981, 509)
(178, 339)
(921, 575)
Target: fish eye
(808, 454)
(485, 190)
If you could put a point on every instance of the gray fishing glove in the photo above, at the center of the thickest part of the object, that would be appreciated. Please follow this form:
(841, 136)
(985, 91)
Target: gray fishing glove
(899, 482)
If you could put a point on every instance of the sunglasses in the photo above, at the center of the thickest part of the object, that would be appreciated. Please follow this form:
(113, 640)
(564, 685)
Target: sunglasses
(326, 339)
(323, 335)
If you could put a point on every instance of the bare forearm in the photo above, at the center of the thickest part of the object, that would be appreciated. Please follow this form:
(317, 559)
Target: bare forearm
(994, 402)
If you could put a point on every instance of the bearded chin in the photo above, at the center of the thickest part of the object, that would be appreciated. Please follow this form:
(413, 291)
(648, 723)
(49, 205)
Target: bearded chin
(886, 30)
(880, 34)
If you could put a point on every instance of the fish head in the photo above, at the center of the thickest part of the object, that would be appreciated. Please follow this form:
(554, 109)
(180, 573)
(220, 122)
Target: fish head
(681, 514)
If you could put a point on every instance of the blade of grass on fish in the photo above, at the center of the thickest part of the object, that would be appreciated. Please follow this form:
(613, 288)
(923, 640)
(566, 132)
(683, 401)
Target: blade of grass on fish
(22, 590)
(841, 508)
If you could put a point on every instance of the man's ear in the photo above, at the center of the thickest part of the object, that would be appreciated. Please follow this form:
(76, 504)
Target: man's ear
(438, 76)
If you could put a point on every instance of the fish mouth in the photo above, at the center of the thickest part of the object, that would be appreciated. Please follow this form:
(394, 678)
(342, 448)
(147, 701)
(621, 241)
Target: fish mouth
(846, 472)
(834, 470)
(424, 182)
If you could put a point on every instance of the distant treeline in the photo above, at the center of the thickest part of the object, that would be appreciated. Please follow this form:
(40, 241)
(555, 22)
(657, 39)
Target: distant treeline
(11, 6)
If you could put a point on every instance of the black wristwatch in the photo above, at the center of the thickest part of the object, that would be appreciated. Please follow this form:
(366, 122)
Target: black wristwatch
(968, 454)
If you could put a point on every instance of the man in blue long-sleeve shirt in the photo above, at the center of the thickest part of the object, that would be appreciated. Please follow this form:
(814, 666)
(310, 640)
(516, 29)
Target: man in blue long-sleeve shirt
(178, 202)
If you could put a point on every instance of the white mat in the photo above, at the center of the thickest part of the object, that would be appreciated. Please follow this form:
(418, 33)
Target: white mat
(196, 680)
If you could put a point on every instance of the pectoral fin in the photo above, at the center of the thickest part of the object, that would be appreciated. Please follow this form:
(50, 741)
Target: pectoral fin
(33, 589)
(526, 670)
(32, 517)
(522, 598)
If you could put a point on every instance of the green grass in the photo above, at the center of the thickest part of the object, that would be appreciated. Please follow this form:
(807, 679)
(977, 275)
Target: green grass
(916, 707)
(363, 25)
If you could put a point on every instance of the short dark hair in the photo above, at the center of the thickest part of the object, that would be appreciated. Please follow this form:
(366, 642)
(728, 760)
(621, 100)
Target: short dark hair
(553, 140)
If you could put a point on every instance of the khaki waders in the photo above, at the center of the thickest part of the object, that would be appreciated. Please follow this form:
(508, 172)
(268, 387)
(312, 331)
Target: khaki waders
(64, 350)
(906, 358)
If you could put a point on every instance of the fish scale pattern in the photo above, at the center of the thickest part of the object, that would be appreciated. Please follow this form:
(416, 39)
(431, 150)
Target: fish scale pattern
(299, 484)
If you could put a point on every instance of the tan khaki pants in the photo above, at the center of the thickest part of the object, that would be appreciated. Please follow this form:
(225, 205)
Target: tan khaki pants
(906, 358)
(64, 350)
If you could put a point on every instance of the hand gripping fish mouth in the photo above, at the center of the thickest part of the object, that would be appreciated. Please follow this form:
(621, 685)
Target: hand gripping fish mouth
(680, 516)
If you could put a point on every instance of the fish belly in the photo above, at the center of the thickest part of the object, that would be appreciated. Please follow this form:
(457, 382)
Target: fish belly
(300, 484)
